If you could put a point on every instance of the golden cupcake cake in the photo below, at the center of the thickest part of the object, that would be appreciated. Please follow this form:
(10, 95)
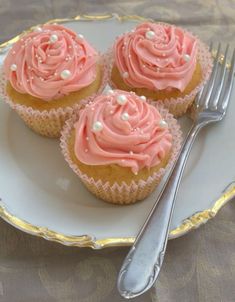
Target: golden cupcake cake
(162, 62)
(120, 145)
(48, 73)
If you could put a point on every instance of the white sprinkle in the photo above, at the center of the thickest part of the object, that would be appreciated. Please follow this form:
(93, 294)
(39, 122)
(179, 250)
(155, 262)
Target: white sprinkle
(65, 74)
(13, 67)
(70, 46)
(97, 126)
(111, 112)
(38, 29)
(143, 98)
(87, 138)
(13, 52)
(136, 173)
(131, 152)
(163, 124)
(110, 91)
(125, 116)
(121, 99)
(86, 150)
(92, 108)
(53, 38)
(186, 57)
(125, 75)
(150, 34)
(163, 54)
(80, 36)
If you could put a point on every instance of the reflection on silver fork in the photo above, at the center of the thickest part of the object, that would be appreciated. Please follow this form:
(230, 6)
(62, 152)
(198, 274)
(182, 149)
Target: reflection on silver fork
(143, 263)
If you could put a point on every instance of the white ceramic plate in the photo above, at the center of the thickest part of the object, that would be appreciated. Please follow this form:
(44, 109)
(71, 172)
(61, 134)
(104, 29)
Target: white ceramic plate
(41, 195)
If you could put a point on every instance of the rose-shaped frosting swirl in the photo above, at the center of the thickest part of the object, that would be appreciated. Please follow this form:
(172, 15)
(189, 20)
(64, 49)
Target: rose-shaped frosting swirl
(50, 62)
(156, 56)
(121, 128)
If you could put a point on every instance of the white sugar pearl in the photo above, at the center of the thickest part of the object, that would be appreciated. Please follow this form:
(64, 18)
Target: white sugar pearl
(53, 38)
(13, 67)
(80, 36)
(97, 126)
(125, 116)
(121, 99)
(65, 74)
(187, 57)
(131, 152)
(109, 91)
(143, 98)
(163, 124)
(38, 29)
(125, 75)
(149, 34)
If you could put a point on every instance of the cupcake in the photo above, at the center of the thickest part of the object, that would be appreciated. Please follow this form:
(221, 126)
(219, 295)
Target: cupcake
(120, 145)
(47, 74)
(162, 62)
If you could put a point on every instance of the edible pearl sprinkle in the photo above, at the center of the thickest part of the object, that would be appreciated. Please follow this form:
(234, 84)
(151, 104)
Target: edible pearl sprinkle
(97, 126)
(150, 34)
(131, 152)
(87, 138)
(110, 91)
(121, 99)
(143, 98)
(53, 38)
(125, 75)
(187, 57)
(163, 124)
(65, 74)
(13, 67)
(125, 116)
(38, 29)
(80, 36)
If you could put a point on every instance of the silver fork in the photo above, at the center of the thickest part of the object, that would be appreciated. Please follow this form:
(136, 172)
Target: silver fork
(144, 260)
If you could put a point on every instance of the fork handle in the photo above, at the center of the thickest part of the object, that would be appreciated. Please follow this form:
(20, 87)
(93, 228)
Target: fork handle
(141, 266)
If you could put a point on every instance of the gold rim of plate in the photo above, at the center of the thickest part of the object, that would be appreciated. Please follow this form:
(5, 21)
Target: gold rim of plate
(187, 225)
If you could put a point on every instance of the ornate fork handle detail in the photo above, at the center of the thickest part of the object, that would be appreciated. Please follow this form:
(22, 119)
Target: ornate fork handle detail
(146, 256)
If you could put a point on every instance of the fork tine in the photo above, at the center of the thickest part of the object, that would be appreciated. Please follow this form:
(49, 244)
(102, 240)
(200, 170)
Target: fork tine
(198, 96)
(207, 92)
(223, 104)
(221, 77)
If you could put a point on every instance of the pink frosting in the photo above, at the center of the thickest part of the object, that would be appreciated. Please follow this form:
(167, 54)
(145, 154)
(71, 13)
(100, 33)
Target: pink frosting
(157, 62)
(138, 142)
(39, 62)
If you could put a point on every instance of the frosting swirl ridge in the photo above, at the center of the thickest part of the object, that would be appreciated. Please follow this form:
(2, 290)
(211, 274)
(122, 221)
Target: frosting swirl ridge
(156, 56)
(121, 128)
(50, 62)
